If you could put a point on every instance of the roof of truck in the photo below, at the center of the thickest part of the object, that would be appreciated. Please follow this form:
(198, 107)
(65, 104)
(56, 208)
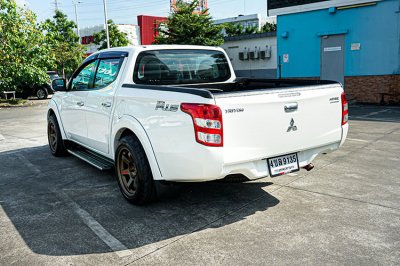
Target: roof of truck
(159, 47)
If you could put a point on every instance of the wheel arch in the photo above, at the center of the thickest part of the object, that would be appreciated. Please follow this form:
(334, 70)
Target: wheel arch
(53, 110)
(128, 125)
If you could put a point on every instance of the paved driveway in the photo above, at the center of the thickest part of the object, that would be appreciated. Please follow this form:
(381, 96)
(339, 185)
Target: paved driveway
(61, 211)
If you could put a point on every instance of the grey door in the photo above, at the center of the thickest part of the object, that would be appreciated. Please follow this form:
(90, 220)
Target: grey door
(332, 58)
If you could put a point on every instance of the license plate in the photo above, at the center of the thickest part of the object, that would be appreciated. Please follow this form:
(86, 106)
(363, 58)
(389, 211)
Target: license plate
(284, 164)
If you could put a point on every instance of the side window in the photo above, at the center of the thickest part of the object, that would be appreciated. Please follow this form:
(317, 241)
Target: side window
(107, 72)
(84, 77)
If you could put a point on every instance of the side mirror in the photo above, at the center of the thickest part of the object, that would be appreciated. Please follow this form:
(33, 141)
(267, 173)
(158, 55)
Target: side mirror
(59, 84)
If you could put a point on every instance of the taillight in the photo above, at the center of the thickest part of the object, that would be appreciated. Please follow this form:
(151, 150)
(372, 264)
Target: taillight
(207, 122)
(345, 109)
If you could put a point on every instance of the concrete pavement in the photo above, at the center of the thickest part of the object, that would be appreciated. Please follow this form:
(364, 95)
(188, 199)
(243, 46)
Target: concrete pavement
(61, 211)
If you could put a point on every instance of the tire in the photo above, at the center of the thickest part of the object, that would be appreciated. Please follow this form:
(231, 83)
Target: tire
(56, 143)
(134, 176)
(41, 93)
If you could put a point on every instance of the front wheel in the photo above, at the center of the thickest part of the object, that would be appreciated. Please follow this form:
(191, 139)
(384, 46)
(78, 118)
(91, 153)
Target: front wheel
(135, 179)
(56, 143)
(41, 94)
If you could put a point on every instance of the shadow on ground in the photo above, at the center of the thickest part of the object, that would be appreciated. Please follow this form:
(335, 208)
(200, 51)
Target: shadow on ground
(32, 184)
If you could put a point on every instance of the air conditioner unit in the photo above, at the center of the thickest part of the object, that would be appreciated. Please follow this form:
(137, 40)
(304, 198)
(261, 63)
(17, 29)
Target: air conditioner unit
(265, 54)
(243, 56)
(254, 55)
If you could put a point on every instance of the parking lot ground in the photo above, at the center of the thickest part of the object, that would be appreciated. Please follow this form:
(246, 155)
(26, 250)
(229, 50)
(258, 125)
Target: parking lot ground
(62, 211)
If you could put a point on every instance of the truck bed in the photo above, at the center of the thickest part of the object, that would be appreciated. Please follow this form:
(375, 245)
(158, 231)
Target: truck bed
(250, 84)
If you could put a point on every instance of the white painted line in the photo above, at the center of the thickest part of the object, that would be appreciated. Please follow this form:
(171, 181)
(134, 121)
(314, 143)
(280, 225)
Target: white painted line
(120, 249)
(358, 140)
(375, 113)
(373, 119)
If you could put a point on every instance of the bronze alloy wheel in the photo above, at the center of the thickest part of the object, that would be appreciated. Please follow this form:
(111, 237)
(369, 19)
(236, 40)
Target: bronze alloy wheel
(127, 172)
(56, 142)
(52, 136)
(133, 172)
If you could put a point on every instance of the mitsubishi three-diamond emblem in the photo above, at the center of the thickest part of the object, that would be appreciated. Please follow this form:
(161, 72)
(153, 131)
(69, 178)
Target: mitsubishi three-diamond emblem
(292, 127)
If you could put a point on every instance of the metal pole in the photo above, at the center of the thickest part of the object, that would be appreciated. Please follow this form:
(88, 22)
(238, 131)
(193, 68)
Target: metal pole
(77, 21)
(280, 67)
(106, 23)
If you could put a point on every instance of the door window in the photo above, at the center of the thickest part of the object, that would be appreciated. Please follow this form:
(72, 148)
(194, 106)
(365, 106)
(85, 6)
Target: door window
(83, 79)
(107, 72)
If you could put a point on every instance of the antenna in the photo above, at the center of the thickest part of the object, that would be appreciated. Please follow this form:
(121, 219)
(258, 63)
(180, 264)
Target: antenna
(56, 6)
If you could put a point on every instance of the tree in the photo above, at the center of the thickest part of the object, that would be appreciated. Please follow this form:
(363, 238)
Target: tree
(236, 29)
(233, 29)
(24, 56)
(268, 27)
(183, 26)
(251, 30)
(63, 43)
(117, 38)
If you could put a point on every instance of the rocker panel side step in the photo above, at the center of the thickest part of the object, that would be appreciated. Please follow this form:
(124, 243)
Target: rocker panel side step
(96, 160)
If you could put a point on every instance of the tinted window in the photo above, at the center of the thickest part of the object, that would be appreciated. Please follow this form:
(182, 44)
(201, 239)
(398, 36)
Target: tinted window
(167, 67)
(107, 72)
(84, 77)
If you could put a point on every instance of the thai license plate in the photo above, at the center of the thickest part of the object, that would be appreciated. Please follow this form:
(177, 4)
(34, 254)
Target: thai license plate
(284, 164)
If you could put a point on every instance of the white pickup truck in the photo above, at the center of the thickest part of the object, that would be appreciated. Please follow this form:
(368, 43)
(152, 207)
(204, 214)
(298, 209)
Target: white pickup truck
(179, 113)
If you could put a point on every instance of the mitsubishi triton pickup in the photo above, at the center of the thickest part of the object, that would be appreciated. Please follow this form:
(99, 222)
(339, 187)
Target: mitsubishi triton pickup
(173, 113)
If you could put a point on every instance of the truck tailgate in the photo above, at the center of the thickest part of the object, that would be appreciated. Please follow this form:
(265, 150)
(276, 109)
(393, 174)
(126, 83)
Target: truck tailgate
(266, 123)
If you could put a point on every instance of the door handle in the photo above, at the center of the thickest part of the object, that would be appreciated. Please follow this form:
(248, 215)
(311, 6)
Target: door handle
(291, 107)
(107, 104)
(80, 103)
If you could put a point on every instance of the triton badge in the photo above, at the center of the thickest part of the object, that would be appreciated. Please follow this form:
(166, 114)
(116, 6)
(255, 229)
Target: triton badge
(292, 127)
(235, 110)
(167, 107)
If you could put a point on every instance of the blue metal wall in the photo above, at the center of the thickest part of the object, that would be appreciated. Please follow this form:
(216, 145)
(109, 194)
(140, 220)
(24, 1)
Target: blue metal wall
(376, 28)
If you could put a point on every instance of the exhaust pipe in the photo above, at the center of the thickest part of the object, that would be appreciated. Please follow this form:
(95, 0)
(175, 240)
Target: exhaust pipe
(308, 167)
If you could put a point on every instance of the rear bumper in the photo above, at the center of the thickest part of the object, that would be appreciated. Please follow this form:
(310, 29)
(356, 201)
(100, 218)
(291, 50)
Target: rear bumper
(214, 168)
(259, 168)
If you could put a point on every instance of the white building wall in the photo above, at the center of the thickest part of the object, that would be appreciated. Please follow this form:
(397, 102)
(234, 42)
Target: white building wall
(247, 20)
(132, 32)
(257, 68)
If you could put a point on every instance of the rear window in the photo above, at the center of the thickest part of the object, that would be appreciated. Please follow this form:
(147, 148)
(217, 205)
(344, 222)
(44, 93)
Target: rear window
(168, 67)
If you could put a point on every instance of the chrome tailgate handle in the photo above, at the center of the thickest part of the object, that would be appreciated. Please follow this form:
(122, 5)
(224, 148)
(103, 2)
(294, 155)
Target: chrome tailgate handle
(291, 107)
(106, 104)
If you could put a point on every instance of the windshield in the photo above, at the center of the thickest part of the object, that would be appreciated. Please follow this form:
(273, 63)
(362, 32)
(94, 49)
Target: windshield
(168, 67)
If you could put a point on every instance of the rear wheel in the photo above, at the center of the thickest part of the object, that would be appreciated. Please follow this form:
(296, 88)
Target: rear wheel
(56, 143)
(135, 179)
(41, 94)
